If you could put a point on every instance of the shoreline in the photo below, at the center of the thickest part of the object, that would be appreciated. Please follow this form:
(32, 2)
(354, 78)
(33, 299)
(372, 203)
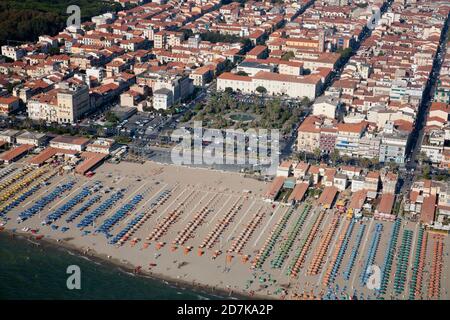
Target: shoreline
(128, 268)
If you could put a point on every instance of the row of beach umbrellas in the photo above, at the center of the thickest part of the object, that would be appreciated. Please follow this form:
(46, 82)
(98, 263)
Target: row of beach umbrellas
(124, 234)
(101, 209)
(299, 259)
(19, 175)
(220, 227)
(319, 255)
(119, 215)
(91, 201)
(373, 249)
(45, 200)
(415, 289)
(280, 258)
(241, 240)
(21, 184)
(389, 258)
(402, 262)
(271, 240)
(339, 252)
(6, 171)
(170, 219)
(66, 207)
(351, 263)
(17, 198)
(434, 286)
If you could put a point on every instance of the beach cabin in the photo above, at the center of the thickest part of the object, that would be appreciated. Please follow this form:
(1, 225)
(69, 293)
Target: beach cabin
(327, 197)
(69, 143)
(356, 204)
(372, 181)
(358, 183)
(328, 177)
(284, 169)
(350, 171)
(427, 214)
(299, 192)
(9, 136)
(31, 138)
(274, 188)
(385, 207)
(16, 153)
(301, 169)
(340, 181)
(314, 171)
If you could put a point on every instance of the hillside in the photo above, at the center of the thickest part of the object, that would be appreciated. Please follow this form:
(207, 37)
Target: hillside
(25, 20)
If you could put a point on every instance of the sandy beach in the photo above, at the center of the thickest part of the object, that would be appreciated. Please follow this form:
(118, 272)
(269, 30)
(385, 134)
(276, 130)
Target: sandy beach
(203, 228)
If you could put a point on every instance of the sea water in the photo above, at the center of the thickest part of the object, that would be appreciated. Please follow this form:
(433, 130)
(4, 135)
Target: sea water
(29, 271)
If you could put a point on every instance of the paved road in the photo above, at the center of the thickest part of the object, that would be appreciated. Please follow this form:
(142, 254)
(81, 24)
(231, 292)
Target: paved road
(418, 131)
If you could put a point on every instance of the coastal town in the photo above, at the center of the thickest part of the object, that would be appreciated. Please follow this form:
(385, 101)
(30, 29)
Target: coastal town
(358, 89)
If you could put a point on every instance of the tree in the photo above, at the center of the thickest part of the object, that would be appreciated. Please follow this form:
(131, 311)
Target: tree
(242, 73)
(423, 157)
(111, 117)
(346, 159)
(187, 33)
(393, 166)
(261, 90)
(305, 101)
(25, 20)
(345, 53)
(229, 90)
(288, 56)
(335, 155)
(54, 51)
(317, 153)
(426, 172)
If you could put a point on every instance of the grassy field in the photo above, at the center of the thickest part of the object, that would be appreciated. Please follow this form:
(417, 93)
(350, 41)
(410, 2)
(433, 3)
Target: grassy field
(25, 20)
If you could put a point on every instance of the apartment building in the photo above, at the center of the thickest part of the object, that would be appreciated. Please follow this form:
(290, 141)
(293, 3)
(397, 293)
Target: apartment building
(393, 145)
(348, 136)
(14, 53)
(9, 104)
(167, 39)
(326, 106)
(65, 104)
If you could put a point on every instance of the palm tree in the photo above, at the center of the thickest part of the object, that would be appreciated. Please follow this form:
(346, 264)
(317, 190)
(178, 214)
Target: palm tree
(262, 91)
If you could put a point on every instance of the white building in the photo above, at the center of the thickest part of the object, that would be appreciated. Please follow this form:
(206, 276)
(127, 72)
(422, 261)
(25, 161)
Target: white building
(98, 73)
(273, 83)
(101, 145)
(31, 138)
(65, 104)
(69, 143)
(13, 53)
(162, 99)
(326, 106)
